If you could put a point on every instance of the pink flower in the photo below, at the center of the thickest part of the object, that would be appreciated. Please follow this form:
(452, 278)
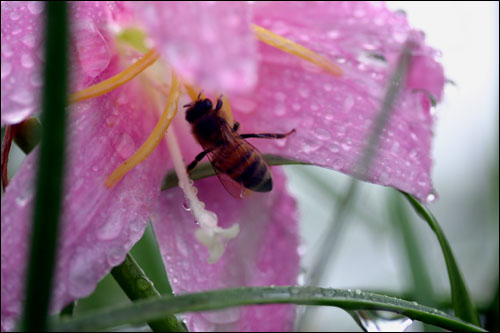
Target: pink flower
(214, 46)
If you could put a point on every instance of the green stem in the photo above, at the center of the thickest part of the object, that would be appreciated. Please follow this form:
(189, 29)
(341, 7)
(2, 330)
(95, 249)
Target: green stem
(50, 171)
(462, 303)
(137, 286)
(145, 310)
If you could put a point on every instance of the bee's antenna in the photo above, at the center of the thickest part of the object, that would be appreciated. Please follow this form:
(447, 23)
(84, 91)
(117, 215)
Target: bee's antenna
(199, 95)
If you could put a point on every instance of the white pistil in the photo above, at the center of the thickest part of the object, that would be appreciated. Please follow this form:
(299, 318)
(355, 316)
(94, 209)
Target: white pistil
(210, 234)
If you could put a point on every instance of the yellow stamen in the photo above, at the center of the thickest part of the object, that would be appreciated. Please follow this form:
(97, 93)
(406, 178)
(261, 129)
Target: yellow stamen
(300, 51)
(119, 79)
(193, 92)
(154, 138)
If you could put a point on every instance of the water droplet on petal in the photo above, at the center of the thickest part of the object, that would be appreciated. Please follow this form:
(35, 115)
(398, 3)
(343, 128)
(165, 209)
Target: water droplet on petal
(27, 61)
(333, 34)
(6, 50)
(35, 7)
(185, 205)
(338, 164)
(125, 146)
(15, 15)
(115, 255)
(29, 40)
(6, 69)
(22, 96)
(431, 197)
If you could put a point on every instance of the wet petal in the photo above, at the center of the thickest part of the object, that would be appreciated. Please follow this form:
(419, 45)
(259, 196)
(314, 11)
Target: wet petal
(100, 225)
(334, 115)
(210, 44)
(264, 252)
(22, 54)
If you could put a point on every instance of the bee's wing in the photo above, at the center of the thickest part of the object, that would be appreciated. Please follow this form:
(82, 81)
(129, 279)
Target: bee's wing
(233, 187)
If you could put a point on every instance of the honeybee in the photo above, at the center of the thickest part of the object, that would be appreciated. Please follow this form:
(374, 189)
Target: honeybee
(237, 163)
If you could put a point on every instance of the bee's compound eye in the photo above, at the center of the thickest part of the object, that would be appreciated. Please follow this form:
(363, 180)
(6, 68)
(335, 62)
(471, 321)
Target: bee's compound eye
(207, 103)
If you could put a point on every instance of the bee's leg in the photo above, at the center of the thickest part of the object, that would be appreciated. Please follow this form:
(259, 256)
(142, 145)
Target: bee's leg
(236, 126)
(267, 135)
(198, 158)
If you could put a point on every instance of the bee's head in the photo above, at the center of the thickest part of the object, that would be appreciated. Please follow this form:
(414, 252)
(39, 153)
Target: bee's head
(198, 109)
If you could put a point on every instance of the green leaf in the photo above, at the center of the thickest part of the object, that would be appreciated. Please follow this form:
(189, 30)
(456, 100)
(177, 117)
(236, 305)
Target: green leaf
(50, 171)
(204, 170)
(146, 310)
(460, 298)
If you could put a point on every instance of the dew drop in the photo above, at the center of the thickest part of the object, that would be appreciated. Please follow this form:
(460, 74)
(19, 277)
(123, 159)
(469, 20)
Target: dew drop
(29, 40)
(16, 32)
(322, 134)
(36, 80)
(280, 110)
(27, 61)
(338, 164)
(334, 148)
(281, 142)
(348, 103)
(22, 96)
(310, 146)
(333, 34)
(346, 146)
(6, 50)
(185, 205)
(357, 292)
(304, 92)
(381, 321)
(431, 197)
(115, 255)
(6, 69)
(327, 87)
(35, 7)
(15, 15)
(125, 146)
(109, 230)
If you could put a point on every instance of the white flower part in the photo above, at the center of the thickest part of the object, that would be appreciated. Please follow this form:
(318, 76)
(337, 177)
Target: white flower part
(210, 234)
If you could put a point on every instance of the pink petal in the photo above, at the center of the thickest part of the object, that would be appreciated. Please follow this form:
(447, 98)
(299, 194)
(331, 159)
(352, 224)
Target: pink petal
(333, 116)
(23, 52)
(21, 59)
(264, 252)
(210, 44)
(100, 225)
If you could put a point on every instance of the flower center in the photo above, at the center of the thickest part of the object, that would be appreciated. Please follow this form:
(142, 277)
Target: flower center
(210, 234)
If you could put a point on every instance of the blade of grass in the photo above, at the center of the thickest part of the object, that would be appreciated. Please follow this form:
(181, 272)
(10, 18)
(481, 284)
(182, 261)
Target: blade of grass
(145, 310)
(414, 263)
(460, 298)
(137, 286)
(423, 291)
(50, 172)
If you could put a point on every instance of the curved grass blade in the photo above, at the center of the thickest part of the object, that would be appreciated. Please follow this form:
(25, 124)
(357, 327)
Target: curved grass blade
(146, 310)
(50, 171)
(204, 170)
(460, 298)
